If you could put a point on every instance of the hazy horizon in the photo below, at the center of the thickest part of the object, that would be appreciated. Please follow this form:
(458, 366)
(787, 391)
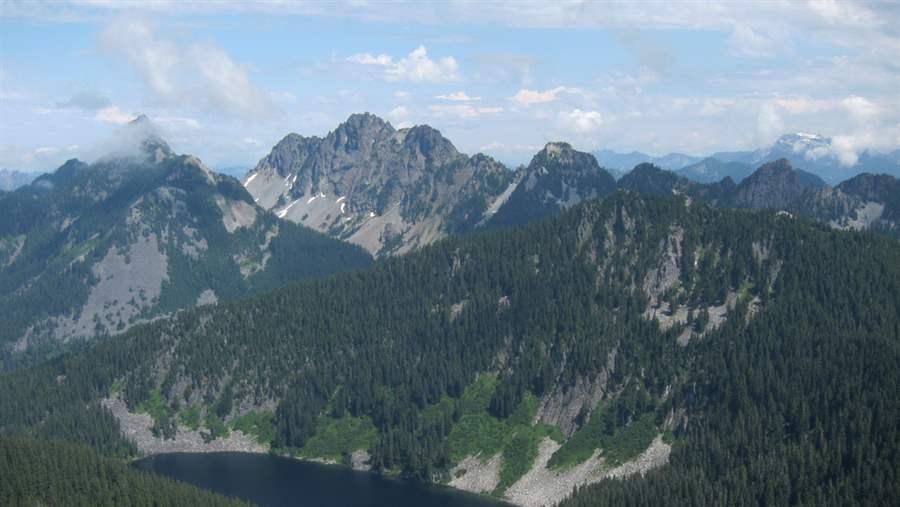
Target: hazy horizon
(226, 80)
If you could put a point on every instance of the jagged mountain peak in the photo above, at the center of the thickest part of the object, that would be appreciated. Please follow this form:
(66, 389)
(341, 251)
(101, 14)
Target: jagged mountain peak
(558, 177)
(560, 155)
(429, 142)
(387, 190)
(362, 120)
(360, 131)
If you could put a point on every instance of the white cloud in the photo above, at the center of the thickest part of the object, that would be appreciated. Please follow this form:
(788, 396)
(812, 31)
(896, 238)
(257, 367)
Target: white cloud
(153, 58)
(582, 122)
(400, 116)
(415, 67)
(497, 146)
(399, 112)
(753, 42)
(113, 114)
(804, 105)
(859, 108)
(177, 122)
(226, 82)
(367, 59)
(202, 75)
(769, 124)
(464, 110)
(459, 96)
(526, 97)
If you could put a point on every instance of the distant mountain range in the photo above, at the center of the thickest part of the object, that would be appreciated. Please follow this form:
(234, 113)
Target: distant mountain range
(810, 152)
(393, 190)
(624, 162)
(11, 179)
(70, 251)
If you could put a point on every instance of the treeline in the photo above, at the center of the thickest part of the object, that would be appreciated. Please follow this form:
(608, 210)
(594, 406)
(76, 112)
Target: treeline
(54, 473)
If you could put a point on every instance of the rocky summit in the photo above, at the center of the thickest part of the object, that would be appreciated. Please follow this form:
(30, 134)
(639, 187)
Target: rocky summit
(388, 190)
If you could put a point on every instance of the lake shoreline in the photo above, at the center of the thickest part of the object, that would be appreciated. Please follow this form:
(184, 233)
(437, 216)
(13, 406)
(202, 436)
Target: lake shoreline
(393, 486)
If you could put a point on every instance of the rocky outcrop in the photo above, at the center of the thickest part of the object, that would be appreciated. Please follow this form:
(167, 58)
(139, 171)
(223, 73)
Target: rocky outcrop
(385, 189)
(775, 185)
(477, 476)
(543, 487)
(566, 407)
(136, 427)
(558, 177)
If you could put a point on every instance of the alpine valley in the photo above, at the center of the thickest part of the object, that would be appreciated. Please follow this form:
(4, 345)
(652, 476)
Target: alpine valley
(546, 335)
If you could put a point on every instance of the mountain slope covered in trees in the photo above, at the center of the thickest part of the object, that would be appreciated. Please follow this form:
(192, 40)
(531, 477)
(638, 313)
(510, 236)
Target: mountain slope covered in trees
(93, 249)
(763, 348)
(35, 472)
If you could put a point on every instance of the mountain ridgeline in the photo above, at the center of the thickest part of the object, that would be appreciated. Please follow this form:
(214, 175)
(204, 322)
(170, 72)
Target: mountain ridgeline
(93, 249)
(732, 357)
(391, 191)
(387, 190)
(12, 179)
(813, 152)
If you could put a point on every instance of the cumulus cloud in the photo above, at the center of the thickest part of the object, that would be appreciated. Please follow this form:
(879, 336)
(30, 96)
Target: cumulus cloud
(113, 114)
(459, 96)
(769, 124)
(415, 67)
(497, 146)
(526, 97)
(860, 108)
(804, 105)
(176, 123)
(754, 42)
(400, 116)
(582, 122)
(868, 131)
(464, 110)
(201, 75)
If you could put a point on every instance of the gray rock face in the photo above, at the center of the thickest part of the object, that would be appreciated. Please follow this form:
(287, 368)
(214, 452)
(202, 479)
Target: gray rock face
(775, 185)
(387, 190)
(557, 178)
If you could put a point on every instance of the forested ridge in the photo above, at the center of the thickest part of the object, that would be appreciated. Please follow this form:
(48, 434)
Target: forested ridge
(34, 472)
(791, 398)
(61, 236)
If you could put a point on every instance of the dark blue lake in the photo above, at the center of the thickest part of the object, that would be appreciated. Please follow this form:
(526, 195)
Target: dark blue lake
(272, 481)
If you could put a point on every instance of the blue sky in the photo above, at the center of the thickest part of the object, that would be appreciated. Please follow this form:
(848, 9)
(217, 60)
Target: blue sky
(226, 80)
